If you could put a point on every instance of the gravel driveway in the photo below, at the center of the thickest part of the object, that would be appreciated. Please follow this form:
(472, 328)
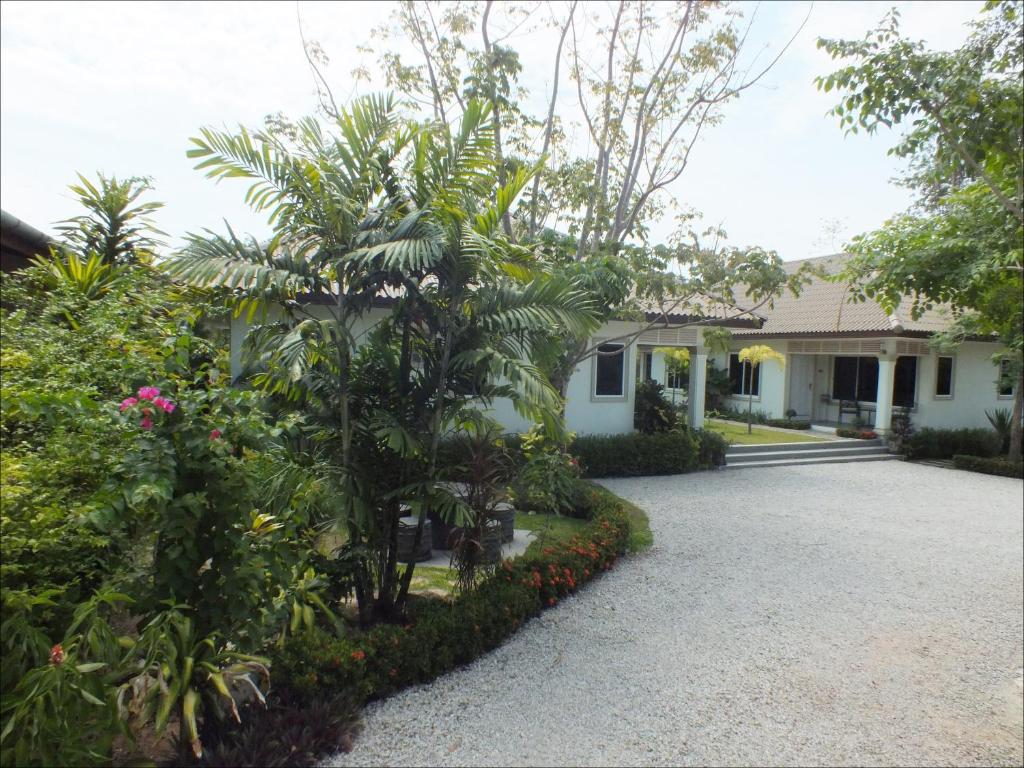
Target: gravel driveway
(856, 614)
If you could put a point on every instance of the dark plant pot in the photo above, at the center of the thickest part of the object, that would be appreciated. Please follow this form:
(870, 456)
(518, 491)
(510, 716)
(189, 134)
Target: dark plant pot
(490, 541)
(505, 514)
(406, 537)
(441, 531)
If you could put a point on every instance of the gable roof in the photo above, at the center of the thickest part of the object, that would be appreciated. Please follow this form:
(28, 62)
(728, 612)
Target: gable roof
(823, 308)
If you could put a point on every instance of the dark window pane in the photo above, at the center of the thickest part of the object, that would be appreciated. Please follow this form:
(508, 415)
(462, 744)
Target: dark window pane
(867, 379)
(648, 366)
(1005, 381)
(844, 378)
(944, 377)
(609, 371)
(736, 374)
(755, 384)
(905, 384)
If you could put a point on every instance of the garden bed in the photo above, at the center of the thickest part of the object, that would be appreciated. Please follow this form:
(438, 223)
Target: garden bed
(325, 678)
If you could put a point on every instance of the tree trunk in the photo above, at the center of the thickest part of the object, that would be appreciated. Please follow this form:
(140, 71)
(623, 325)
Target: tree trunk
(1015, 419)
(750, 400)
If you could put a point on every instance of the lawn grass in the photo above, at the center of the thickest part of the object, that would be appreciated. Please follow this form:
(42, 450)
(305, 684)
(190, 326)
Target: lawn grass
(549, 529)
(736, 433)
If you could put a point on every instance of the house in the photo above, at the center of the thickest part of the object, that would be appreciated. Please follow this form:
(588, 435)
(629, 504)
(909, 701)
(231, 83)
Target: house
(840, 359)
(846, 361)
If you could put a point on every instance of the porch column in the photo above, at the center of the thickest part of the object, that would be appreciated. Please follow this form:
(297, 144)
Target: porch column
(698, 377)
(883, 411)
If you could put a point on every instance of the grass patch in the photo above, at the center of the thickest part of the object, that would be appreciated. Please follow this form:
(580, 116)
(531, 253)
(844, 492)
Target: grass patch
(736, 433)
(433, 579)
(549, 529)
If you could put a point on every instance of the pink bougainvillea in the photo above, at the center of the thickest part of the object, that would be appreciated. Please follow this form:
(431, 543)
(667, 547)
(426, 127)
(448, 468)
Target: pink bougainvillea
(127, 403)
(148, 393)
(215, 434)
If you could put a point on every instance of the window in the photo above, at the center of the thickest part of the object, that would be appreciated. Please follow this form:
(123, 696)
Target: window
(739, 374)
(904, 386)
(944, 376)
(855, 378)
(1005, 378)
(675, 376)
(610, 369)
(648, 366)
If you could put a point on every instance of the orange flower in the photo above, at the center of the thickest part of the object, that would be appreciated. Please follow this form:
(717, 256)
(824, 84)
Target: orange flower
(358, 655)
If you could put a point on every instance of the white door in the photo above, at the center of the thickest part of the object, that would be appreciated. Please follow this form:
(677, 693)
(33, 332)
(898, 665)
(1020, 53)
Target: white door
(801, 384)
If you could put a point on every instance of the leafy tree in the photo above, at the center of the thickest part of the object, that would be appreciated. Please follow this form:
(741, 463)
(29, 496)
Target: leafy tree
(962, 245)
(756, 355)
(385, 209)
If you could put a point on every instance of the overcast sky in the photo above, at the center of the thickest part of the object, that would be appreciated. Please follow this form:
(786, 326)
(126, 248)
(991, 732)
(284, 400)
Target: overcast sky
(120, 87)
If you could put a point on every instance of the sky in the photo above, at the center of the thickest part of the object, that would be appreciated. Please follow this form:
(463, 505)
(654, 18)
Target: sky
(120, 87)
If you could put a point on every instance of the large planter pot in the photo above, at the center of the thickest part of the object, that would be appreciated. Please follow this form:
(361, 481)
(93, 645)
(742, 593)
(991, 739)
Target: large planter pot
(406, 537)
(491, 542)
(441, 531)
(505, 514)
(489, 545)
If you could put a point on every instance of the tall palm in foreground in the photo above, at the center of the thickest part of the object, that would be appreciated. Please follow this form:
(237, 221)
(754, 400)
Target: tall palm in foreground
(406, 213)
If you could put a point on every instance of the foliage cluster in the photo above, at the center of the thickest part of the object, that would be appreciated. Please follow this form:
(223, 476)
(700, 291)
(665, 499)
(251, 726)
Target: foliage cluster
(662, 453)
(997, 465)
(856, 433)
(929, 443)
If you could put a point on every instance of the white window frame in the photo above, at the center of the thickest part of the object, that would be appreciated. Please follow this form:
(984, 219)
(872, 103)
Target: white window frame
(999, 395)
(952, 378)
(596, 398)
(743, 380)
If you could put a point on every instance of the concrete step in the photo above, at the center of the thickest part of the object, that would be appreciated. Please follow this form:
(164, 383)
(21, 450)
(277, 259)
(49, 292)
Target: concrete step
(849, 451)
(823, 445)
(795, 460)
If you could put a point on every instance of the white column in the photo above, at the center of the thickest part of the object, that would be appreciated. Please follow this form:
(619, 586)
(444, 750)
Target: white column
(698, 377)
(883, 412)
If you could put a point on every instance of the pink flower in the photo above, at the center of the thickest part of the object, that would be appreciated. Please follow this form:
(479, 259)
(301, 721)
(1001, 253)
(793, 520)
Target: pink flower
(148, 393)
(215, 433)
(57, 655)
(147, 423)
(162, 402)
(127, 403)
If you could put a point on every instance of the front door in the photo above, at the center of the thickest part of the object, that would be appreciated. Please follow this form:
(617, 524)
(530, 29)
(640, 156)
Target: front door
(801, 384)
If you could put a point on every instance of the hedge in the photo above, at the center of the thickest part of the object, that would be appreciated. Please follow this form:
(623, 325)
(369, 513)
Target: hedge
(789, 423)
(990, 466)
(661, 453)
(928, 443)
(864, 433)
(442, 635)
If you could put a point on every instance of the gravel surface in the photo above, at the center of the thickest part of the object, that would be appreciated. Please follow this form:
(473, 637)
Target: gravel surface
(856, 614)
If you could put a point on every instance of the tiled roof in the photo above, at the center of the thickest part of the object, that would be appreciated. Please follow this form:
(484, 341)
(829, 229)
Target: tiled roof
(823, 308)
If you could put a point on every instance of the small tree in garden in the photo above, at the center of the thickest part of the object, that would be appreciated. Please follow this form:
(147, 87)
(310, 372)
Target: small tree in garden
(385, 208)
(754, 356)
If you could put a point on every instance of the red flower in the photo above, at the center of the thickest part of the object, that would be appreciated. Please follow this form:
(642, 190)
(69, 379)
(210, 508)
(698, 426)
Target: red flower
(552, 601)
(215, 433)
(57, 655)
(358, 655)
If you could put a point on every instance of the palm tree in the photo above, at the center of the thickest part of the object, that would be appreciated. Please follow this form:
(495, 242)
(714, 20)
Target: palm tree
(385, 208)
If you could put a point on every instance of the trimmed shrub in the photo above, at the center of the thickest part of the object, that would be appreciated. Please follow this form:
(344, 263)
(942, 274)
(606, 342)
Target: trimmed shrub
(930, 443)
(989, 466)
(442, 635)
(859, 434)
(789, 423)
(664, 453)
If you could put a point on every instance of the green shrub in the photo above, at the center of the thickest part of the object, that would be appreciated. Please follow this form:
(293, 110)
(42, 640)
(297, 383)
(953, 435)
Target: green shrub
(930, 443)
(652, 412)
(442, 635)
(989, 466)
(789, 423)
(664, 453)
(858, 433)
